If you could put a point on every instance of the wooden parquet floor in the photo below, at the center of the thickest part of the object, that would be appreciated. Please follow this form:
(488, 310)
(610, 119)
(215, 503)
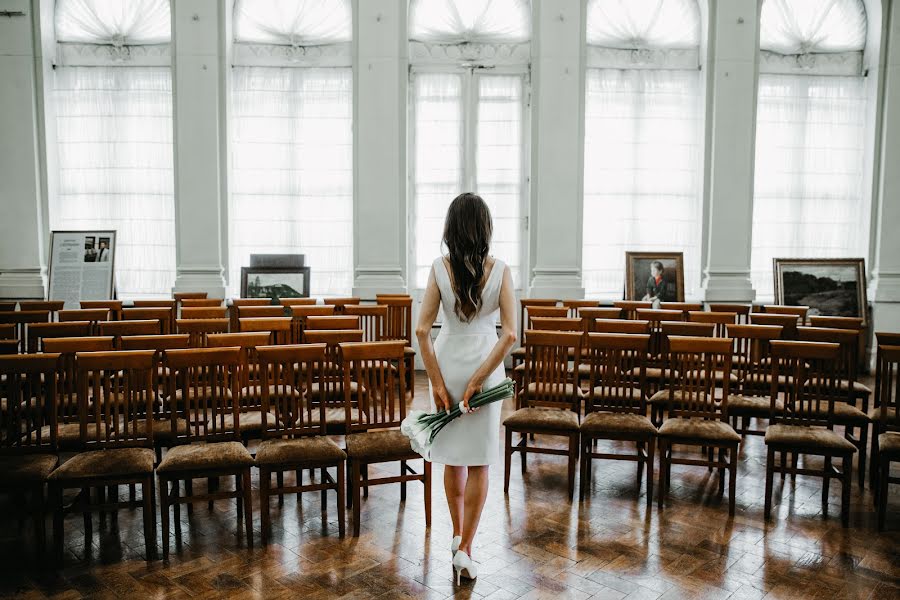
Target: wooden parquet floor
(532, 543)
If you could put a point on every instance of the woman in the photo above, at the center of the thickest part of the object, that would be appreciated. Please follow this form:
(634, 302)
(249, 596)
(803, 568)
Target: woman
(471, 286)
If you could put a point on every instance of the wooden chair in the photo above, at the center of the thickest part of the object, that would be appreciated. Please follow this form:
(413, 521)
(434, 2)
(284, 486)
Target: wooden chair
(375, 438)
(68, 428)
(181, 296)
(200, 329)
(530, 311)
(398, 326)
(655, 316)
(372, 318)
(299, 315)
(8, 306)
(172, 305)
(249, 378)
(293, 430)
(684, 307)
(334, 323)
(48, 306)
(589, 316)
(83, 314)
(113, 306)
(696, 417)
(256, 312)
(278, 328)
(787, 322)
(629, 308)
(117, 438)
(204, 312)
(40, 331)
(882, 338)
(805, 425)
(328, 389)
(204, 381)
(615, 408)
(752, 363)
(575, 306)
(849, 323)
(201, 303)
(164, 315)
(659, 369)
(741, 311)
(117, 329)
(556, 324)
(340, 303)
(549, 400)
(527, 303)
(781, 309)
(27, 449)
(721, 320)
(238, 303)
(9, 346)
(286, 302)
(622, 326)
(22, 321)
(886, 430)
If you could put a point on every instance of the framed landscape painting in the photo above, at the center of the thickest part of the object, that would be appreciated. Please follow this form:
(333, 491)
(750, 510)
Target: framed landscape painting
(654, 276)
(274, 282)
(834, 287)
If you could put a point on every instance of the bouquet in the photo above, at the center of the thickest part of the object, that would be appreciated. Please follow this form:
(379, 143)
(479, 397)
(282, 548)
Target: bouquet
(422, 427)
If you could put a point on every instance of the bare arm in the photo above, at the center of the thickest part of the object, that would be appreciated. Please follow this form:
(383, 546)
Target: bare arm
(431, 302)
(504, 343)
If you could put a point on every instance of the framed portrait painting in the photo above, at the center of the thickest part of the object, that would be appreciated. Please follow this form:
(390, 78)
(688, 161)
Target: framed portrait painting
(274, 282)
(834, 287)
(654, 276)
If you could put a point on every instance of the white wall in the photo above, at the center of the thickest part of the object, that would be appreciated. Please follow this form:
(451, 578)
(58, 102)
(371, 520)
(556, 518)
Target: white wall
(201, 56)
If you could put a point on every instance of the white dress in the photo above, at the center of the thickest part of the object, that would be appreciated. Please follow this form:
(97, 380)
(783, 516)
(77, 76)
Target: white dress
(471, 439)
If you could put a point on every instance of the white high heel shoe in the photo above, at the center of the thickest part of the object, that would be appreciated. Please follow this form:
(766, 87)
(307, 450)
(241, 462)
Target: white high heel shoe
(463, 565)
(454, 545)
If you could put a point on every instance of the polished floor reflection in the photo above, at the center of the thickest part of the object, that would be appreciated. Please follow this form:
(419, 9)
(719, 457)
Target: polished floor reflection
(532, 544)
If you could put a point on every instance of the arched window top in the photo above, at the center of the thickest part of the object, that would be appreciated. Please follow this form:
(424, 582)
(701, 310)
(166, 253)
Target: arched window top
(643, 24)
(293, 22)
(115, 22)
(812, 26)
(462, 21)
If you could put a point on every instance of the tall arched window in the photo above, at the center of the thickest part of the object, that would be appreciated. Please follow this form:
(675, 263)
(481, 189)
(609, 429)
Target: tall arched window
(291, 183)
(643, 131)
(469, 89)
(810, 135)
(113, 100)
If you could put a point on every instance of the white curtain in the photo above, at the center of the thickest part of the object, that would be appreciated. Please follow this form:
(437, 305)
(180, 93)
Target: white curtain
(461, 21)
(293, 22)
(804, 26)
(113, 21)
(292, 174)
(641, 172)
(627, 24)
(114, 129)
(810, 143)
(491, 164)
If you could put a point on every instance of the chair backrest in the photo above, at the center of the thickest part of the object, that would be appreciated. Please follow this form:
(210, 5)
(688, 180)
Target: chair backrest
(297, 301)
(885, 338)
(181, 296)
(202, 303)
(575, 305)
(171, 341)
(782, 309)
(340, 303)
(692, 393)
(255, 312)
(556, 324)
(238, 303)
(113, 306)
(751, 357)
(40, 331)
(249, 375)
(83, 314)
(164, 315)
(589, 316)
(119, 328)
(809, 378)
(204, 387)
(170, 304)
(372, 318)
(29, 397)
(379, 371)
(621, 326)
(655, 316)
(8, 306)
(199, 329)
(618, 372)
(278, 328)
(787, 322)
(48, 306)
(887, 387)
(7, 330)
(836, 322)
(398, 325)
(22, 321)
(288, 373)
(721, 320)
(331, 383)
(630, 307)
(742, 311)
(333, 322)
(684, 307)
(547, 379)
(116, 394)
(9, 343)
(849, 341)
(527, 303)
(299, 315)
(67, 380)
(203, 312)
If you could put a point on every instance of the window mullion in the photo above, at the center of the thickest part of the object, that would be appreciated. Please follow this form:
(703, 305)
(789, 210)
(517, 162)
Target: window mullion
(470, 120)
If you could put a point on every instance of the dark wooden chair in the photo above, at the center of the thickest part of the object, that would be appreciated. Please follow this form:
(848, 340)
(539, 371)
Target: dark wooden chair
(781, 309)
(40, 331)
(721, 320)
(117, 329)
(850, 323)
(51, 307)
(886, 431)
(372, 319)
(27, 449)
(203, 384)
(115, 397)
(333, 323)
(629, 308)
(202, 303)
(22, 320)
(181, 296)
(293, 429)
(741, 311)
(685, 307)
(164, 315)
(805, 425)
(83, 314)
(615, 408)
(549, 400)
(621, 326)
(203, 312)
(531, 308)
(299, 315)
(113, 306)
(398, 326)
(882, 398)
(8, 306)
(287, 302)
(696, 416)
(340, 303)
(328, 388)
(589, 316)
(375, 438)
(238, 303)
(575, 306)
(249, 378)
(787, 322)
(256, 312)
(200, 329)
(752, 363)
(278, 328)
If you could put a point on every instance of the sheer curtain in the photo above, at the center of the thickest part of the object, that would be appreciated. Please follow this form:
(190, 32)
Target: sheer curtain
(643, 131)
(301, 22)
(113, 21)
(292, 173)
(114, 129)
(466, 21)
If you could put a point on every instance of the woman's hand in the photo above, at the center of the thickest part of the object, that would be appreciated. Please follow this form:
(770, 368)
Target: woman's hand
(474, 386)
(441, 397)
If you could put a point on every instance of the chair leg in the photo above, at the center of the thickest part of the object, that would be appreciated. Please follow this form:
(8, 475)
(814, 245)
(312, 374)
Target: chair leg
(662, 474)
(507, 457)
(732, 479)
(863, 440)
(349, 483)
(188, 492)
(426, 469)
(846, 483)
(365, 481)
(573, 462)
(341, 507)
(873, 460)
(770, 476)
(583, 461)
(56, 498)
(264, 523)
(299, 476)
(323, 474)
(149, 518)
(85, 507)
(248, 506)
(279, 482)
(355, 476)
(721, 472)
(784, 463)
(640, 465)
(402, 483)
(523, 456)
(651, 447)
(884, 471)
(827, 484)
(239, 497)
(164, 515)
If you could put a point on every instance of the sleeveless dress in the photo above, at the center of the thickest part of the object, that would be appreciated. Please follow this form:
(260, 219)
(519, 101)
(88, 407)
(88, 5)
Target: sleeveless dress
(471, 439)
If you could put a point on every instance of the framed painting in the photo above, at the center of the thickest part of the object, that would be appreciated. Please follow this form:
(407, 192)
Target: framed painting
(274, 282)
(834, 287)
(654, 276)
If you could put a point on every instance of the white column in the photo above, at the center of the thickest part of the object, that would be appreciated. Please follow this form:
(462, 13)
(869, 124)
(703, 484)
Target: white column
(200, 34)
(885, 288)
(557, 149)
(22, 227)
(380, 76)
(731, 98)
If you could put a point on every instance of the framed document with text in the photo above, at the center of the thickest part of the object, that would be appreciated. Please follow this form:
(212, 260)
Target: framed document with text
(82, 266)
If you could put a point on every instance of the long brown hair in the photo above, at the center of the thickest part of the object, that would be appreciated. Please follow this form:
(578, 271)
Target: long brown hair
(467, 235)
